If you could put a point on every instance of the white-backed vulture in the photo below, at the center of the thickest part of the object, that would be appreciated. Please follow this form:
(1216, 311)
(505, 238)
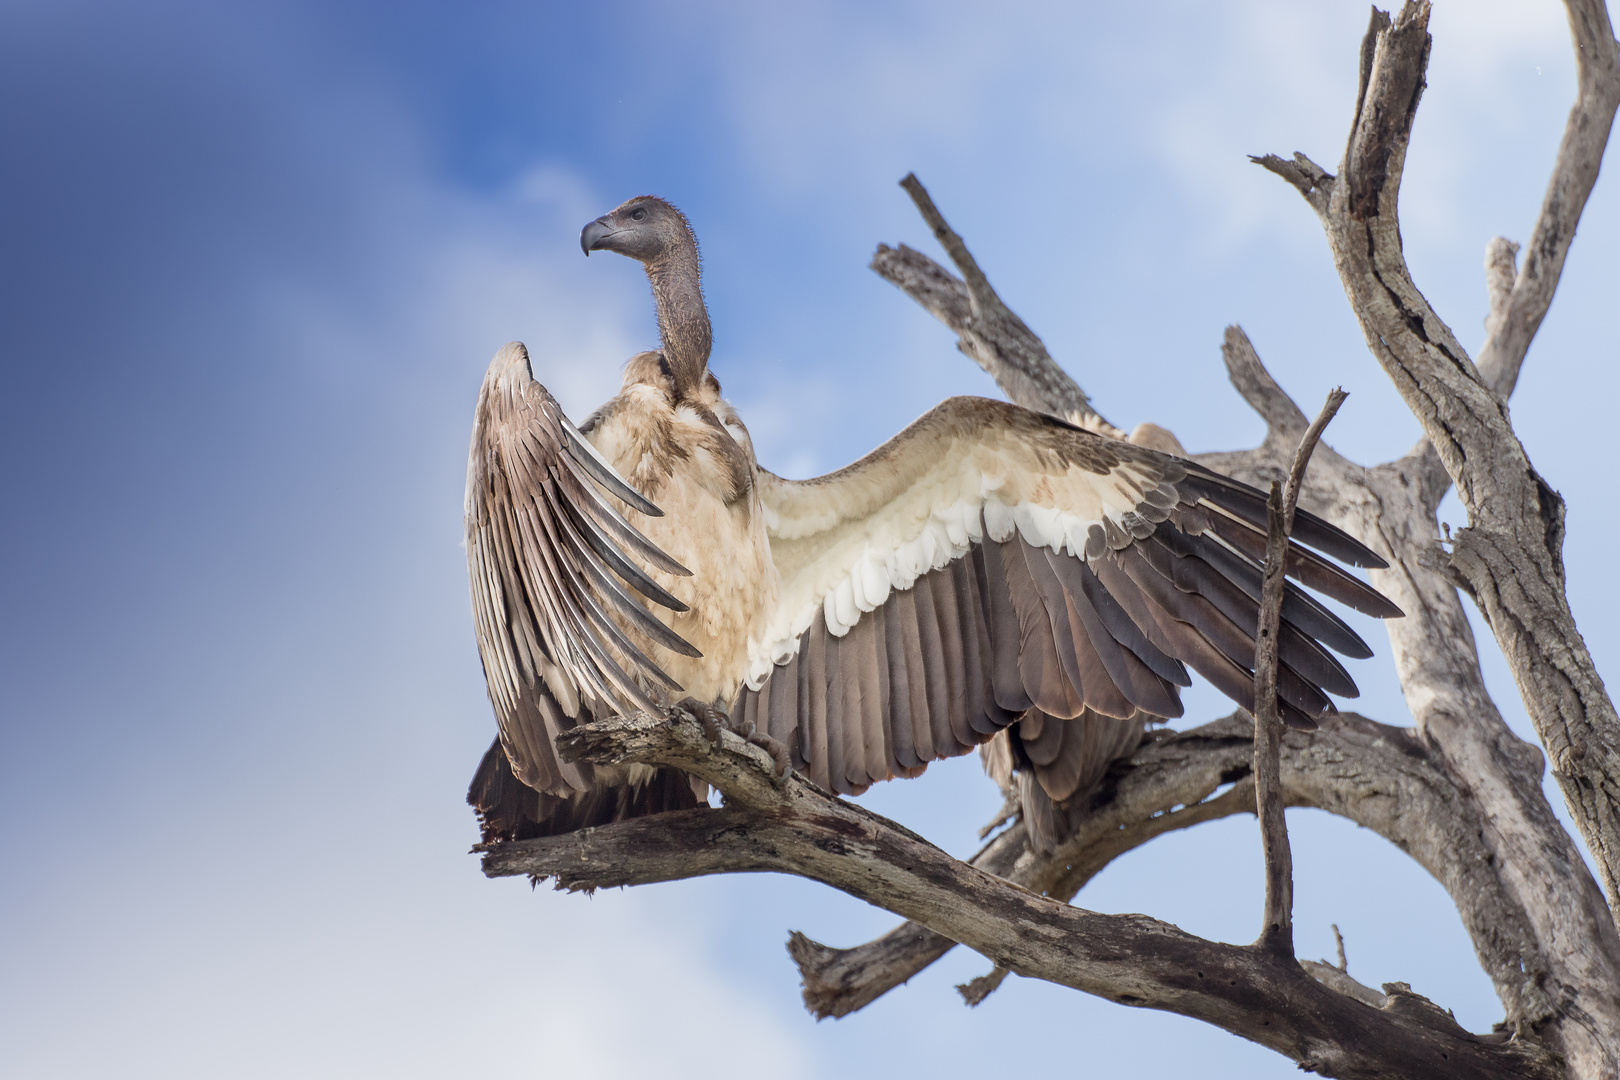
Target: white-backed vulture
(987, 565)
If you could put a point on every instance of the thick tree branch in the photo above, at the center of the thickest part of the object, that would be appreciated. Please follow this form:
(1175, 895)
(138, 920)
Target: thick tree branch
(1130, 959)
(1510, 559)
(1167, 785)
(1380, 777)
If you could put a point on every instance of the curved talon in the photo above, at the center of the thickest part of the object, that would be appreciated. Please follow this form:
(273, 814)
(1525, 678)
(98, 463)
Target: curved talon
(779, 754)
(713, 719)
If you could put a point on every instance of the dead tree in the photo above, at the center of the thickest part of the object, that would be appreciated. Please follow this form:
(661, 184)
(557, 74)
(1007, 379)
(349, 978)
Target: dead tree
(1457, 791)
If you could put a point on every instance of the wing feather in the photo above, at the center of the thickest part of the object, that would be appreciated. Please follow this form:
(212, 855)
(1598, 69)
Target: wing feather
(908, 700)
(989, 561)
(545, 563)
(935, 667)
(948, 728)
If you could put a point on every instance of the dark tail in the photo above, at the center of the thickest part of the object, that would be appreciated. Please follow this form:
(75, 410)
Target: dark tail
(1059, 765)
(509, 809)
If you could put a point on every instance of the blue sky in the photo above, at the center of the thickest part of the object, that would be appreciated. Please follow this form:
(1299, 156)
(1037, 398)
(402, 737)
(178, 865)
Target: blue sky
(253, 260)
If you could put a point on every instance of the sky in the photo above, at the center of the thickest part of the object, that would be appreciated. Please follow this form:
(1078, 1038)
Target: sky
(253, 260)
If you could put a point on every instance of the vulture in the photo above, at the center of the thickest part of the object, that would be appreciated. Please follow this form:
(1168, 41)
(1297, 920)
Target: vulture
(989, 566)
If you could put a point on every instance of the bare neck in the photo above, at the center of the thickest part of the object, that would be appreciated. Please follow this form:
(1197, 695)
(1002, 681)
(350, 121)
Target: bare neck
(683, 320)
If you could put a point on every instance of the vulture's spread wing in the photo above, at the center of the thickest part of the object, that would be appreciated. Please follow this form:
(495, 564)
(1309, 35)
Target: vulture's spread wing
(989, 560)
(546, 552)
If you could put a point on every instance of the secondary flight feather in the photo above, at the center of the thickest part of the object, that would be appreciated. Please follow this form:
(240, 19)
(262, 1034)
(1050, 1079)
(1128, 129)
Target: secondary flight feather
(987, 567)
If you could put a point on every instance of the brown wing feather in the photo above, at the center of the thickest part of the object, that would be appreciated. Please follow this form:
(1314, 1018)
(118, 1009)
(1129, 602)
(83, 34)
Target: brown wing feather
(545, 568)
(1058, 763)
(953, 646)
(965, 621)
(936, 664)
(908, 707)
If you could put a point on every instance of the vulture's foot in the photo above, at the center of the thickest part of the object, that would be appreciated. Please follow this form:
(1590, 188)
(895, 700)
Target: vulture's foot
(712, 717)
(779, 754)
(715, 720)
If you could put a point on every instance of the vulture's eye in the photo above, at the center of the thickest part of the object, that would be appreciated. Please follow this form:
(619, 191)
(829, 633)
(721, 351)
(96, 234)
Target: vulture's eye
(638, 214)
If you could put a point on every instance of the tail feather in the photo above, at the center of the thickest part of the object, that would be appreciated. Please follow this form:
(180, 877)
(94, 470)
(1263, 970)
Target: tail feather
(1054, 767)
(509, 809)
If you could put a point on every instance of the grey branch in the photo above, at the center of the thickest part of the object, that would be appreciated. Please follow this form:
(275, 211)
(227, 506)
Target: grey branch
(1586, 134)
(800, 829)
(1517, 879)
(988, 331)
(1525, 898)
(1284, 420)
(1277, 928)
(1509, 558)
(1537, 921)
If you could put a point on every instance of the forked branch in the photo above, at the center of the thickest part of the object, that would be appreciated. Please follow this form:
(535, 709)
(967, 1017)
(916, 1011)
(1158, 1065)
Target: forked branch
(1130, 959)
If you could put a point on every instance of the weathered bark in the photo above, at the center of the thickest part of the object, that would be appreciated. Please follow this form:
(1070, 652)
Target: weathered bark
(1542, 900)
(1543, 935)
(800, 829)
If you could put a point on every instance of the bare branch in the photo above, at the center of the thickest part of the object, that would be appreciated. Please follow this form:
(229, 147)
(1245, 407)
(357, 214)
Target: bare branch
(939, 291)
(974, 991)
(837, 982)
(1586, 134)
(1312, 181)
(988, 331)
(1524, 895)
(1277, 929)
(1501, 267)
(1283, 418)
(1510, 559)
(1531, 897)
(1328, 975)
(1130, 959)
(1381, 777)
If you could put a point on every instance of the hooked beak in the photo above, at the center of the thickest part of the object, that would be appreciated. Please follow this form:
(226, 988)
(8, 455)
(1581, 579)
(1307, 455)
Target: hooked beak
(593, 236)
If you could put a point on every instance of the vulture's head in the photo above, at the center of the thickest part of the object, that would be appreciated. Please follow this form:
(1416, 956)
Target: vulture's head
(644, 228)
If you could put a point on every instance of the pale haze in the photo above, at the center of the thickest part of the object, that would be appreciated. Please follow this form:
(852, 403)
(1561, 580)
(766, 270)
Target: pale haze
(255, 258)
